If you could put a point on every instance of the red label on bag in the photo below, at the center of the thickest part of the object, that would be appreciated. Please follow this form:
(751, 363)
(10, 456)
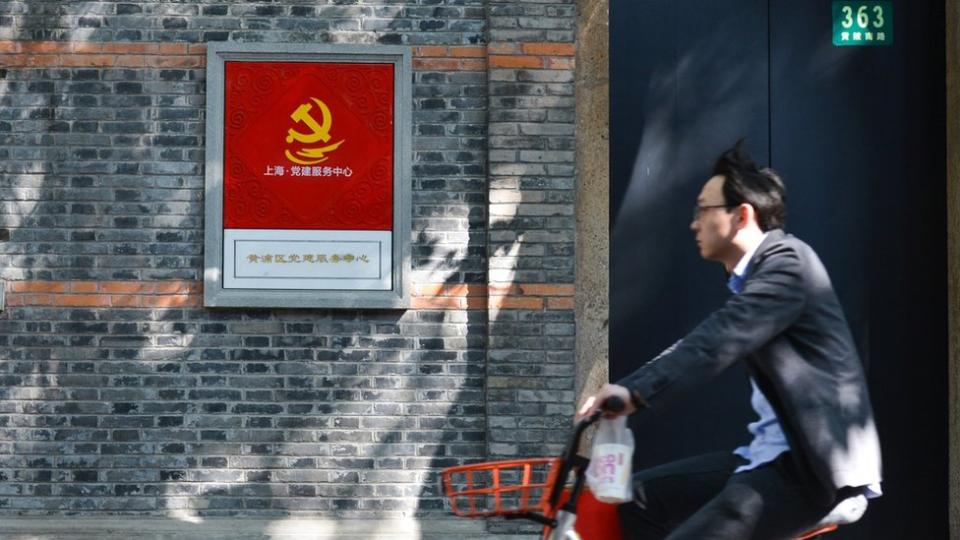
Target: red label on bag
(308, 146)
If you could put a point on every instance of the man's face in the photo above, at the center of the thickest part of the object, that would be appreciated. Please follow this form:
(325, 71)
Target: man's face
(715, 226)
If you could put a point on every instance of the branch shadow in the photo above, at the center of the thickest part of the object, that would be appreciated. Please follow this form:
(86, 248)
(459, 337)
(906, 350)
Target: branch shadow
(197, 414)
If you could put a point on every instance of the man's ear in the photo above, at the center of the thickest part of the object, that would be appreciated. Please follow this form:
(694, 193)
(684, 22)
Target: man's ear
(745, 214)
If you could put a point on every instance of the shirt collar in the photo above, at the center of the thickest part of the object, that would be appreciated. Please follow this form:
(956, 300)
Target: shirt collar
(741, 268)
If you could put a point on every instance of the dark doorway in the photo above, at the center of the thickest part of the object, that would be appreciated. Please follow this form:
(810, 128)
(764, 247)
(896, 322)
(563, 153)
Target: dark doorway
(858, 135)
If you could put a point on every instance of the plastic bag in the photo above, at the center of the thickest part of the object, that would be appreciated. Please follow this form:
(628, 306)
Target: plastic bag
(611, 461)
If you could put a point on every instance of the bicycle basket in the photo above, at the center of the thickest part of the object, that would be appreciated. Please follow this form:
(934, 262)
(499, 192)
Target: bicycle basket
(500, 488)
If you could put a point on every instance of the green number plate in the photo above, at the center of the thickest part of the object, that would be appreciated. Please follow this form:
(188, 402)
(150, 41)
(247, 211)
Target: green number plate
(862, 24)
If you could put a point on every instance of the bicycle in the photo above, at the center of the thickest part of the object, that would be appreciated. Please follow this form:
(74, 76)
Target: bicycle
(535, 489)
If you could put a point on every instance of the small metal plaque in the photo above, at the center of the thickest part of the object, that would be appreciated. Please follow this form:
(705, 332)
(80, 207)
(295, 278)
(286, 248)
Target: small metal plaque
(862, 24)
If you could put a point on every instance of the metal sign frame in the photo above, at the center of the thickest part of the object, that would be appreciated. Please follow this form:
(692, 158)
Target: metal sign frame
(215, 294)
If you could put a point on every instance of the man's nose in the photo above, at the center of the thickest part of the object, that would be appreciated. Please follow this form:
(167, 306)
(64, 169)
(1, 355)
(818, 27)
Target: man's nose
(694, 225)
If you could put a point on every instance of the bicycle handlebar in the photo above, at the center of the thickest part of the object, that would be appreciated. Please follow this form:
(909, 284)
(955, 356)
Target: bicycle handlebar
(612, 404)
(570, 459)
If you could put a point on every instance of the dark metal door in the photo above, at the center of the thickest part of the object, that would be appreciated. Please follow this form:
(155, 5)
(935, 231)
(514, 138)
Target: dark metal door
(681, 92)
(858, 135)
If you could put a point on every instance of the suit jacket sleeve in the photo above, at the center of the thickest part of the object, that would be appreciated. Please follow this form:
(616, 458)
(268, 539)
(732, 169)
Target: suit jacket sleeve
(772, 299)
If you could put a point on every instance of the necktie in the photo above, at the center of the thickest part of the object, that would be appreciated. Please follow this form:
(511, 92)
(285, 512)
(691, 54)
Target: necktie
(735, 283)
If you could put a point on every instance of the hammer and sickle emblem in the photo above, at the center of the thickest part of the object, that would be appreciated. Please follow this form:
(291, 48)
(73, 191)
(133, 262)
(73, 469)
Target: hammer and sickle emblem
(320, 132)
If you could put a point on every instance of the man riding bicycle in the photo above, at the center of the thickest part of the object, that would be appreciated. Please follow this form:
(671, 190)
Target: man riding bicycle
(815, 443)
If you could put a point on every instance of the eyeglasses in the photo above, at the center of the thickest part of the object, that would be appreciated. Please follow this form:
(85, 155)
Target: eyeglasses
(697, 209)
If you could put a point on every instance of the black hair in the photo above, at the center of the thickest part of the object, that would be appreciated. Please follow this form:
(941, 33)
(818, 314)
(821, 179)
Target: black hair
(746, 182)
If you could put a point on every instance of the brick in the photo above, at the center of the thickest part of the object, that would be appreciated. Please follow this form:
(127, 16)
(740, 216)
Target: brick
(11, 47)
(436, 64)
(560, 303)
(560, 63)
(461, 52)
(38, 286)
(444, 303)
(514, 302)
(45, 47)
(172, 300)
(85, 47)
(126, 301)
(170, 287)
(84, 300)
(544, 289)
(443, 289)
(177, 49)
(503, 48)
(127, 287)
(549, 49)
(473, 64)
(84, 286)
(174, 61)
(503, 289)
(130, 48)
(434, 50)
(513, 62)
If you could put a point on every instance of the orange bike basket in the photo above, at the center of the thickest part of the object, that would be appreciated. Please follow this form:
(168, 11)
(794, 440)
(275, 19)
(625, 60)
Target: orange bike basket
(500, 488)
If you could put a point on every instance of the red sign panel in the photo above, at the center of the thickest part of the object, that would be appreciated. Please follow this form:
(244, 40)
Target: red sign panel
(308, 146)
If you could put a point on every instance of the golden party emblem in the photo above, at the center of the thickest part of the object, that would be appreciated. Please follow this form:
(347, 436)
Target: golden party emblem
(319, 133)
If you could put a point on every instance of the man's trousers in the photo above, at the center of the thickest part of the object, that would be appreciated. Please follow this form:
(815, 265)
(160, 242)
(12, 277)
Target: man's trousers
(700, 498)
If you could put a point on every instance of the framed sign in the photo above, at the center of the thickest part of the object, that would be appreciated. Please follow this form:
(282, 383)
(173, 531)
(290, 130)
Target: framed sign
(307, 176)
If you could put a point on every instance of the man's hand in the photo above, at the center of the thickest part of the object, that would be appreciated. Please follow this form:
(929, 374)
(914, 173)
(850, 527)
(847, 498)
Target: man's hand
(593, 403)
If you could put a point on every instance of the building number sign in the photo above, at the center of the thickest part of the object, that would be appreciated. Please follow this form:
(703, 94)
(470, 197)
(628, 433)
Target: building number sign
(859, 24)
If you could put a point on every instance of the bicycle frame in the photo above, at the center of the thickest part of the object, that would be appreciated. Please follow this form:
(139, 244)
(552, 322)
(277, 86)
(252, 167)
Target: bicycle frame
(559, 507)
(562, 527)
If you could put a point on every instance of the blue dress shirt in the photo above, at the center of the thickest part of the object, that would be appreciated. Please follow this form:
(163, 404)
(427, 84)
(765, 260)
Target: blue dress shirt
(768, 438)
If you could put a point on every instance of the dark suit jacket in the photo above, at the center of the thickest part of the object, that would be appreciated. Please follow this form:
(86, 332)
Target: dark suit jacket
(788, 327)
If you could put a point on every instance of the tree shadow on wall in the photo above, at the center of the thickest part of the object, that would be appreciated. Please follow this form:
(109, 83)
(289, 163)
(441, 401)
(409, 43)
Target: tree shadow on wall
(498, 325)
(197, 413)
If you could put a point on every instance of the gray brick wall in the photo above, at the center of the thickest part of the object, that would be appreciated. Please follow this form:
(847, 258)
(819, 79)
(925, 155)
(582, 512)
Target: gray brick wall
(230, 412)
(415, 23)
(168, 407)
(531, 374)
(532, 224)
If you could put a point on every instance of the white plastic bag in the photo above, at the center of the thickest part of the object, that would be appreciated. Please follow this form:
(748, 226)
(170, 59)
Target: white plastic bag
(611, 461)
